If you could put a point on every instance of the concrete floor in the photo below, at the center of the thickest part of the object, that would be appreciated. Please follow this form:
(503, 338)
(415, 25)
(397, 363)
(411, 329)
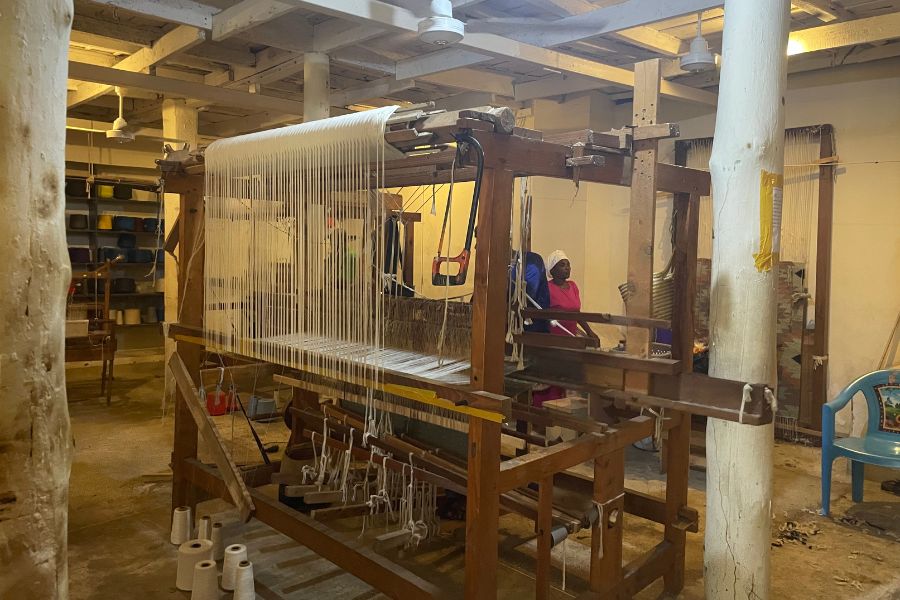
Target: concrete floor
(119, 519)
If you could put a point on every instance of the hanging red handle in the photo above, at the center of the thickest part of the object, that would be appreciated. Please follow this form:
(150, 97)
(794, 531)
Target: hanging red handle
(438, 278)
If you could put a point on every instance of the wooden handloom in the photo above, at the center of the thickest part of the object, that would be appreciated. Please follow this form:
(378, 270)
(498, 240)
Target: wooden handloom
(494, 401)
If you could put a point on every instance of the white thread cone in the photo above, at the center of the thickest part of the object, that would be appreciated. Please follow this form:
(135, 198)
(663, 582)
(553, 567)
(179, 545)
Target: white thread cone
(203, 528)
(189, 554)
(218, 542)
(234, 554)
(181, 525)
(244, 589)
(206, 581)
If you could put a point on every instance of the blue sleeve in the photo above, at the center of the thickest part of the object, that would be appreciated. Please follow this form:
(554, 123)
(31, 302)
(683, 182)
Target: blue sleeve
(533, 278)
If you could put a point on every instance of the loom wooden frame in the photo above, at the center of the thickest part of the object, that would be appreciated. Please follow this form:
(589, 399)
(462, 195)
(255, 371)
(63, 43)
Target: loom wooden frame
(488, 476)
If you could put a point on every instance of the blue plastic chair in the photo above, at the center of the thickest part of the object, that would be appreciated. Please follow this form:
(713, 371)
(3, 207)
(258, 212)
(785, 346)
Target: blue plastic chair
(881, 444)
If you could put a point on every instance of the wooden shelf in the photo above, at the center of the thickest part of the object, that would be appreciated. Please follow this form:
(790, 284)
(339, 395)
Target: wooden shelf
(110, 231)
(117, 265)
(114, 296)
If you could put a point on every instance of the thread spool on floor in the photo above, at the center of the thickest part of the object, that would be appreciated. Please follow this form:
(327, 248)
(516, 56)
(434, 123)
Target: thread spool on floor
(234, 554)
(216, 532)
(181, 523)
(244, 587)
(133, 317)
(189, 554)
(206, 581)
(150, 315)
(203, 527)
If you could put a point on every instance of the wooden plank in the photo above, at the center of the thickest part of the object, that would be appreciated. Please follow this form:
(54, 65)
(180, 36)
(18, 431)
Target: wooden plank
(344, 550)
(544, 542)
(588, 137)
(824, 226)
(606, 532)
(549, 340)
(642, 217)
(595, 317)
(482, 509)
(534, 466)
(190, 302)
(340, 512)
(409, 252)
(545, 418)
(616, 360)
(678, 463)
(701, 391)
(644, 570)
(684, 261)
(489, 295)
(240, 495)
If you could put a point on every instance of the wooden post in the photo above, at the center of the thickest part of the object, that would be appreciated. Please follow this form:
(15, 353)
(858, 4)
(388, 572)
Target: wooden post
(642, 218)
(544, 542)
(678, 440)
(606, 534)
(190, 312)
(180, 122)
(488, 336)
(35, 437)
(746, 165)
(823, 275)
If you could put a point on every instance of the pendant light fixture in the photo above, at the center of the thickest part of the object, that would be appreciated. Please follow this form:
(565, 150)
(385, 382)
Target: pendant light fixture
(699, 58)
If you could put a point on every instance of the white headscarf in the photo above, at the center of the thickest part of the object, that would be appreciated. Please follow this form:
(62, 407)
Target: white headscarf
(555, 257)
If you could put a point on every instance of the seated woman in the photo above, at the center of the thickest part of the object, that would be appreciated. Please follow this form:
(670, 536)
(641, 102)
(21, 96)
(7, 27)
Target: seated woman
(564, 295)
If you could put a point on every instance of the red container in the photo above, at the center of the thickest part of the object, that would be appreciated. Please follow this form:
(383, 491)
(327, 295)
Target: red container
(219, 402)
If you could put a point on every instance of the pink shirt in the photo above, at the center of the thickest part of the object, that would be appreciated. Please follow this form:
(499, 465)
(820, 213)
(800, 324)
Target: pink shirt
(565, 298)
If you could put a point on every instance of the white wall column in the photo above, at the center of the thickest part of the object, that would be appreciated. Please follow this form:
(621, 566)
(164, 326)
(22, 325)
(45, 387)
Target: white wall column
(316, 88)
(180, 123)
(35, 438)
(746, 165)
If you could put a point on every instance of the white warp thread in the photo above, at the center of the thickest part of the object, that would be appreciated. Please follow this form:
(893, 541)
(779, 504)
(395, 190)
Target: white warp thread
(294, 230)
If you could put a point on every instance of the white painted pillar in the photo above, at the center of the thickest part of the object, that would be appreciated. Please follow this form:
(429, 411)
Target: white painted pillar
(316, 92)
(748, 143)
(35, 440)
(180, 123)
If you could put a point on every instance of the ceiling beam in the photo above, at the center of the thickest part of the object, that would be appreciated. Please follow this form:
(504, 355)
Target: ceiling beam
(239, 125)
(177, 88)
(600, 21)
(183, 12)
(275, 64)
(825, 10)
(641, 36)
(335, 34)
(400, 19)
(475, 80)
(653, 39)
(375, 89)
(247, 14)
(101, 41)
(179, 39)
(849, 33)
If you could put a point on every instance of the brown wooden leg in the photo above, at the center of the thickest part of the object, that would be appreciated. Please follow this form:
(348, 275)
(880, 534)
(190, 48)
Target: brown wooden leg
(103, 364)
(544, 542)
(678, 456)
(185, 442)
(606, 535)
(482, 509)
